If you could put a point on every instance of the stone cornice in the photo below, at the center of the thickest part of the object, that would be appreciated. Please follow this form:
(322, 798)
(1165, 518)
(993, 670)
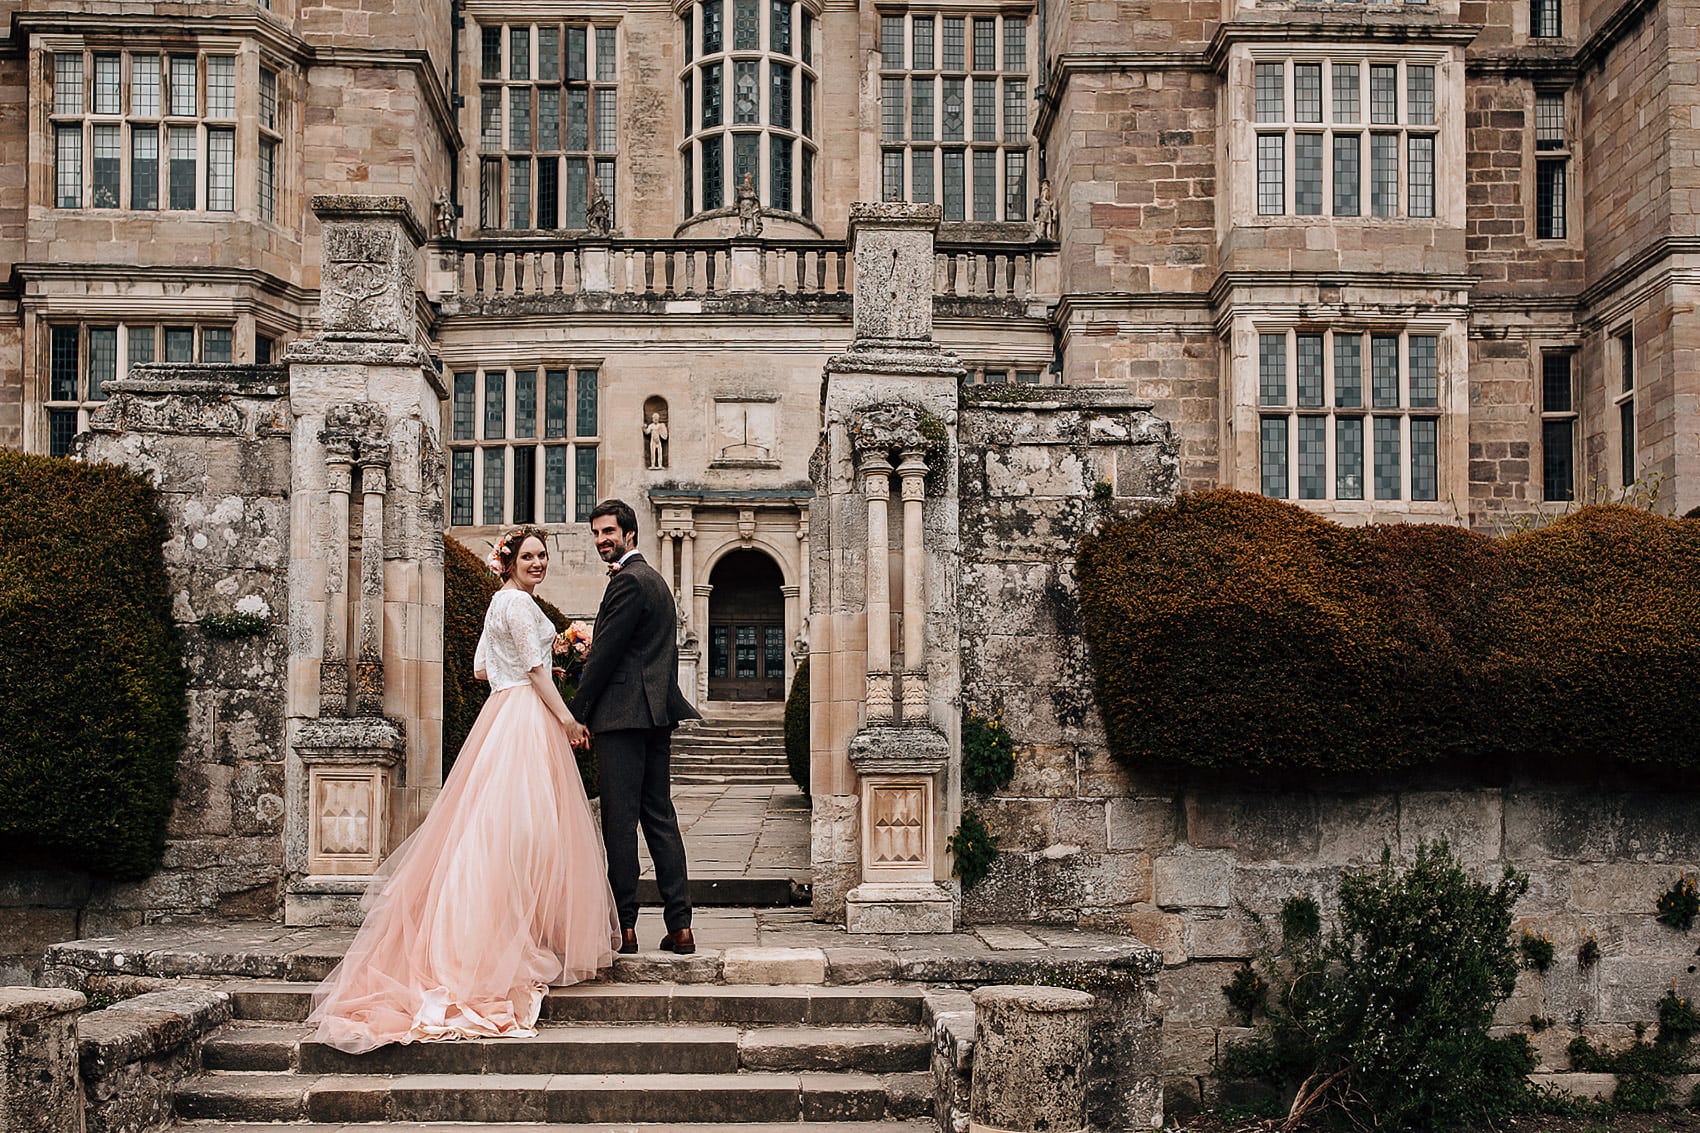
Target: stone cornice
(1229, 280)
(1331, 31)
(29, 272)
(1620, 277)
(1615, 27)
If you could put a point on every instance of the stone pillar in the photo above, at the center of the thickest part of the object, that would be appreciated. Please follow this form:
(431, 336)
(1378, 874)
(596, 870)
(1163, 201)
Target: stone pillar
(363, 764)
(688, 579)
(667, 538)
(793, 618)
(886, 797)
(40, 1089)
(876, 488)
(913, 474)
(1030, 1060)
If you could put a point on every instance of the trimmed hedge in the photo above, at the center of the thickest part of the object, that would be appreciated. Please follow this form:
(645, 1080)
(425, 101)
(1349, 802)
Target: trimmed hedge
(467, 588)
(93, 717)
(1237, 632)
(797, 729)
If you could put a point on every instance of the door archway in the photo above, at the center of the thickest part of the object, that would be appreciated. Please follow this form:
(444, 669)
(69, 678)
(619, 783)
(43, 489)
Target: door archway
(746, 628)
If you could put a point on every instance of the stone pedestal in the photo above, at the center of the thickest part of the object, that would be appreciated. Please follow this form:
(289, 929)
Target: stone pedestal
(1030, 1060)
(595, 266)
(366, 585)
(746, 266)
(40, 1090)
(899, 770)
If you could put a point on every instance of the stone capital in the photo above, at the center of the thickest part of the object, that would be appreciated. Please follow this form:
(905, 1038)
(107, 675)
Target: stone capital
(877, 431)
(910, 749)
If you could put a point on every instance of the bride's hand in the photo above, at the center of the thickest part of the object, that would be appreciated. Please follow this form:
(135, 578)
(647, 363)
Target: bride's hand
(577, 734)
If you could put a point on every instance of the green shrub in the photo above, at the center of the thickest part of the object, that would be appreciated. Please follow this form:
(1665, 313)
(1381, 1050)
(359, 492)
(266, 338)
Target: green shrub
(988, 753)
(467, 588)
(1237, 632)
(1386, 1021)
(1679, 904)
(93, 719)
(1537, 950)
(797, 729)
(229, 627)
(974, 848)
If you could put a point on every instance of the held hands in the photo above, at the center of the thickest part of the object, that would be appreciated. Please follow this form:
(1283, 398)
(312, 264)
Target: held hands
(577, 734)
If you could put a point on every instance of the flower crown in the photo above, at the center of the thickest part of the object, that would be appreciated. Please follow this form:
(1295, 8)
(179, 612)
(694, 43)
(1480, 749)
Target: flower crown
(510, 540)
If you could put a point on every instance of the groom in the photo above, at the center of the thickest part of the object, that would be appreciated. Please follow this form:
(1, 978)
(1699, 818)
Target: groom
(629, 697)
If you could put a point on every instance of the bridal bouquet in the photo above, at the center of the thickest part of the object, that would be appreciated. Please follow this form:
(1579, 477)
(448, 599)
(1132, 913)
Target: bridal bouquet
(572, 646)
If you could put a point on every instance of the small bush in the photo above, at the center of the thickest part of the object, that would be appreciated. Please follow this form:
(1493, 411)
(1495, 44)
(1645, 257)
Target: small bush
(1537, 950)
(467, 588)
(797, 729)
(1678, 1021)
(1386, 1022)
(1588, 954)
(974, 848)
(1301, 918)
(92, 722)
(988, 753)
(1246, 993)
(229, 627)
(1679, 904)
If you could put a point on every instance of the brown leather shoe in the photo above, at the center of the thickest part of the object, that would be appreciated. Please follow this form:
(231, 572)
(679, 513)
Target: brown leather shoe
(628, 941)
(680, 943)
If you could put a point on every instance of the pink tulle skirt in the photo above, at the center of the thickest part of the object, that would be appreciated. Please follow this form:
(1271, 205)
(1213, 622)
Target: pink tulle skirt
(501, 891)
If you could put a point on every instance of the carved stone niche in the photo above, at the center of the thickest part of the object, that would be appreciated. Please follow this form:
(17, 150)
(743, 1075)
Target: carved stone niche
(899, 769)
(351, 766)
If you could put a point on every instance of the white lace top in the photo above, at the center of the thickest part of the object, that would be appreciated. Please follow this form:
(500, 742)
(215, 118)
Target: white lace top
(518, 636)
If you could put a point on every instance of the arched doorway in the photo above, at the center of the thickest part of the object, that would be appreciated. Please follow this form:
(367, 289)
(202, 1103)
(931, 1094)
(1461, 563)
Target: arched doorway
(746, 628)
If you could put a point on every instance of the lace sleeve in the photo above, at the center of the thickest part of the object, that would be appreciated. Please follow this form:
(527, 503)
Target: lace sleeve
(517, 625)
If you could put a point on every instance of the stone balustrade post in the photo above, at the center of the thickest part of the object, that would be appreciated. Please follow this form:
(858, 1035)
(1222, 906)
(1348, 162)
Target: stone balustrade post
(876, 489)
(1030, 1060)
(913, 476)
(41, 1090)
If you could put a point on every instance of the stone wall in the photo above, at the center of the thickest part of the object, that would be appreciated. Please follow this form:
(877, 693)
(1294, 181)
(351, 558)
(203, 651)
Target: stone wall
(1180, 859)
(215, 440)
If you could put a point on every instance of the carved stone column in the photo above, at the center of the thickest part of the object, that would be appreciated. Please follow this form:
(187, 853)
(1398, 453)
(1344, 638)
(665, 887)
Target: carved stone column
(667, 538)
(876, 488)
(374, 486)
(688, 578)
(913, 474)
(339, 479)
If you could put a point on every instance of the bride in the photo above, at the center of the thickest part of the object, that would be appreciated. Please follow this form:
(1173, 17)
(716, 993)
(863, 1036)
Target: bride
(503, 889)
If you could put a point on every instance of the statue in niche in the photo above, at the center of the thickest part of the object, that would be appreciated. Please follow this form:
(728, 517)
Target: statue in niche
(1045, 214)
(656, 431)
(749, 207)
(599, 214)
(446, 214)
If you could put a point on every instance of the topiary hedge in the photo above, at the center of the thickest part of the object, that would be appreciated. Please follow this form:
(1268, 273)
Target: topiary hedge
(467, 588)
(1237, 632)
(93, 715)
(797, 728)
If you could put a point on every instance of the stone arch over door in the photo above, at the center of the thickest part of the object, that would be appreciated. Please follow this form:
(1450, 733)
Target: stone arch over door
(748, 641)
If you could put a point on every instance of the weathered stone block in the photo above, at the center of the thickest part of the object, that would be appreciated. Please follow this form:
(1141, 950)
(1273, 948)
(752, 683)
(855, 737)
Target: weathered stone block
(1193, 879)
(1266, 826)
(40, 1090)
(1470, 820)
(1030, 1055)
(774, 966)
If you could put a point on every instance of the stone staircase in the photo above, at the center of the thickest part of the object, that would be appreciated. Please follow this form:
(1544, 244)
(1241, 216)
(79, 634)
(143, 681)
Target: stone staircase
(852, 1059)
(731, 749)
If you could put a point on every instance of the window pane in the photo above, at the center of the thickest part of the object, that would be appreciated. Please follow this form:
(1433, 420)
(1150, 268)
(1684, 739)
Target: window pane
(1014, 185)
(495, 405)
(61, 430)
(221, 86)
(63, 384)
(1549, 121)
(1307, 174)
(1421, 174)
(1346, 81)
(711, 95)
(807, 125)
(955, 187)
(1307, 92)
(179, 344)
(1383, 94)
(1309, 370)
(139, 343)
(891, 111)
(68, 82)
(1419, 95)
(713, 157)
(1273, 446)
(1558, 460)
(779, 96)
(779, 171)
(491, 54)
(108, 87)
(183, 146)
(215, 344)
(1425, 458)
(465, 413)
(68, 172)
(985, 44)
(1348, 371)
(1550, 191)
(1348, 171)
(1557, 391)
(548, 192)
(548, 119)
(1545, 18)
(746, 159)
(144, 167)
(554, 403)
(985, 184)
(1626, 358)
(773, 650)
(746, 93)
(1313, 458)
(584, 483)
(525, 484)
(578, 54)
(953, 110)
(1271, 96)
(891, 43)
(267, 176)
(1384, 371)
(953, 46)
(221, 170)
(1348, 458)
(578, 120)
(1387, 478)
(108, 161)
(490, 119)
(495, 482)
(779, 27)
(1015, 43)
(460, 488)
(1014, 111)
(605, 181)
(713, 12)
(144, 85)
(719, 638)
(607, 66)
(607, 122)
(746, 25)
(921, 110)
(921, 43)
(185, 96)
(585, 423)
(525, 406)
(549, 54)
(985, 111)
(1425, 370)
(1272, 369)
(519, 117)
(1626, 442)
(1271, 174)
(519, 193)
(1384, 174)
(921, 177)
(555, 484)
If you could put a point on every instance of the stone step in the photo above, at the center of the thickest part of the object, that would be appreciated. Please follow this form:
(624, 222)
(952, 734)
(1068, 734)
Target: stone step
(586, 1049)
(925, 1126)
(738, 892)
(574, 1098)
(707, 779)
(279, 1001)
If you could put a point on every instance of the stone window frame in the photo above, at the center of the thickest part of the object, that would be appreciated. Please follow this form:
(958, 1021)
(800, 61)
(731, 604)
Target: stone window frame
(62, 416)
(498, 165)
(1554, 417)
(772, 138)
(1446, 131)
(1011, 147)
(85, 123)
(1562, 157)
(1625, 427)
(469, 447)
(1006, 372)
(1450, 413)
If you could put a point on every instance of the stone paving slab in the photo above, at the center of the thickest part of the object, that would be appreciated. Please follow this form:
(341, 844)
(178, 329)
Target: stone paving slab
(740, 830)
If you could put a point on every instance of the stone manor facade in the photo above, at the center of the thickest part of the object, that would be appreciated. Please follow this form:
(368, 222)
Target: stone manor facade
(1426, 260)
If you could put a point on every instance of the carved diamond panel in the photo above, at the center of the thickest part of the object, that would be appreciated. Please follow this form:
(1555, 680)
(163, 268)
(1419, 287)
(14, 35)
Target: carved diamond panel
(348, 820)
(898, 829)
